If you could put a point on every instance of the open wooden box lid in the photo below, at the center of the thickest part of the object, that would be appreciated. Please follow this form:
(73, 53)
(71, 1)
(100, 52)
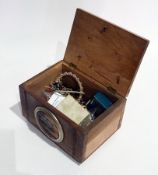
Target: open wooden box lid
(104, 52)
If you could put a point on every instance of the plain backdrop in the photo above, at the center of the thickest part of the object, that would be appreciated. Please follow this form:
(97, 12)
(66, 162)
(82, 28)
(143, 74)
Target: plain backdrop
(33, 36)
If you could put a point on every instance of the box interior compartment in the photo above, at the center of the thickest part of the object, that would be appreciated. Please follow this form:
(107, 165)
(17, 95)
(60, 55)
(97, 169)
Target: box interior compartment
(37, 84)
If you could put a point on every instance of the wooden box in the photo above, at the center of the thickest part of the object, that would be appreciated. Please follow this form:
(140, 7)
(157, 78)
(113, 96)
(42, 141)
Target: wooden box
(106, 58)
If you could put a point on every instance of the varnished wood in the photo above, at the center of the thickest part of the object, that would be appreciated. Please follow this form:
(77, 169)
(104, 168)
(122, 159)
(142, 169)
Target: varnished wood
(104, 57)
(104, 51)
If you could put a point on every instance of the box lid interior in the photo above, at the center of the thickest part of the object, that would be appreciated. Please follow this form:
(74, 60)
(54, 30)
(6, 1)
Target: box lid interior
(104, 51)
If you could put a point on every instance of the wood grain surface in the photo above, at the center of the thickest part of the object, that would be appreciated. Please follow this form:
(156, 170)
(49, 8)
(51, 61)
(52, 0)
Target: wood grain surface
(104, 51)
(106, 58)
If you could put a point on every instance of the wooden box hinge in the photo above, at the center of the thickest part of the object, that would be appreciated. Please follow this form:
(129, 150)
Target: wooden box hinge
(73, 66)
(112, 90)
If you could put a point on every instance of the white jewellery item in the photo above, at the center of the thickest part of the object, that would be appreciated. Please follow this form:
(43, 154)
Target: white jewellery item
(73, 110)
(56, 99)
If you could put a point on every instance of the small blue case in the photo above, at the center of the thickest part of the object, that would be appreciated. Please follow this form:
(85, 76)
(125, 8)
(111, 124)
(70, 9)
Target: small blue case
(103, 100)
